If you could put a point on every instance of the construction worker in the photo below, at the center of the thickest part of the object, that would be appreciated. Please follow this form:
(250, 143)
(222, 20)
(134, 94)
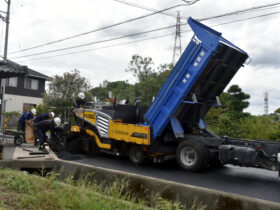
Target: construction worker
(39, 118)
(25, 118)
(80, 101)
(42, 127)
(44, 116)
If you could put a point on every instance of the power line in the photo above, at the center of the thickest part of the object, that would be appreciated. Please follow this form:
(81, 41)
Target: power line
(97, 42)
(113, 39)
(151, 38)
(120, 23)
(239, 11)
(99, 29)
(143, 7)
(114, 45)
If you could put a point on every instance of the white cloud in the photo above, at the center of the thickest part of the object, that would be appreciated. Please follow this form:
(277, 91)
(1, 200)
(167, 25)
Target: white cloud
(38, 22)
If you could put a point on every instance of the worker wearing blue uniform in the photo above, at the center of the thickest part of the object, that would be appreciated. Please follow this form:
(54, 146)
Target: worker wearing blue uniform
(42, 127)
(39, 118)
(44, 116)
(25, 117)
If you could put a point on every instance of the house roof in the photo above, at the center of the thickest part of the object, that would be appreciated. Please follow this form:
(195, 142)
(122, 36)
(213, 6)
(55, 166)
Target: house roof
(12, 69)
(32, 73)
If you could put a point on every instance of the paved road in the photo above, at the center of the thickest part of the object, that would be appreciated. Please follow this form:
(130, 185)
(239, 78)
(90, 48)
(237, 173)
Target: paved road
(251, 182)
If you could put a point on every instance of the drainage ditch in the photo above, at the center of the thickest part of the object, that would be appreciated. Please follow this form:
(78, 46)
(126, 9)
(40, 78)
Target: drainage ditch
(142, 187)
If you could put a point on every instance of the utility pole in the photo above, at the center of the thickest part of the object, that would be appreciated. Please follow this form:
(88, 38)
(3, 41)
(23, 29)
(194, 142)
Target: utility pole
(177, 51)
(3, 81)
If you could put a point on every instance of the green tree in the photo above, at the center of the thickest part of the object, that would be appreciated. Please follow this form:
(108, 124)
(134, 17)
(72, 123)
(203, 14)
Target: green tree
(150, 80)
(236, 101)
(226, 120)
(64, 89)
(141, 67)
(277, 111)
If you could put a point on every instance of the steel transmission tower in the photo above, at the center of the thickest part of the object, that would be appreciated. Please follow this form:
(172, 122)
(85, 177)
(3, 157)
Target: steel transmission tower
(266, 103)
(177, 51)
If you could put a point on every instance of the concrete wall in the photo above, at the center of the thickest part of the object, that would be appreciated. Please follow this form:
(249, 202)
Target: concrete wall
(15, 102)
(145, 187)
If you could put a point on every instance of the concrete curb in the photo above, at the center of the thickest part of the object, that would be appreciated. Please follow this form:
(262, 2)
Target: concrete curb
(144, 187)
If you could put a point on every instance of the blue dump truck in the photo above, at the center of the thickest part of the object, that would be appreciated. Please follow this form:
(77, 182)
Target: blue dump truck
(173, 126)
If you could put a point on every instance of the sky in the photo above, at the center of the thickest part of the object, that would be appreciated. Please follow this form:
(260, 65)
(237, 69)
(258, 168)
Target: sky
(39, 22)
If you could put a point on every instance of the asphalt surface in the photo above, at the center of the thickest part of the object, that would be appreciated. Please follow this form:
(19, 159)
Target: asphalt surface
(252, 182)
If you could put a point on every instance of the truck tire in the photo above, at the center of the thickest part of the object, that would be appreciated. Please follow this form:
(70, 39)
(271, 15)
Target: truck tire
(191, 156)
(136, 154)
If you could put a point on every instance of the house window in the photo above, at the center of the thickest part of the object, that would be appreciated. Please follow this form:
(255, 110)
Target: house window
(12, 81)
(28, 107)
(31, 84)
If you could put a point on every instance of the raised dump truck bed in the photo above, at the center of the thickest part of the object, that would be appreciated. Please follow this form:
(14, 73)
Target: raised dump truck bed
(201, 74)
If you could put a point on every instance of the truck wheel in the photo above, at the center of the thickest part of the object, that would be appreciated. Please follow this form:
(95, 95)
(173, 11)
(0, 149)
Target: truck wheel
(136, 154)
(191, 156)
(18, 140)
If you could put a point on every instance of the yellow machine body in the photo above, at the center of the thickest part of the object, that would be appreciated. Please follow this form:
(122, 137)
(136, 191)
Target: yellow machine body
(129, 133)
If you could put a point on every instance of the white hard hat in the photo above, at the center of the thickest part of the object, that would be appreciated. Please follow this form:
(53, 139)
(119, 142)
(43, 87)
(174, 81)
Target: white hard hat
(81, 95)
(57, 121)
(33, 111)
(52, 114)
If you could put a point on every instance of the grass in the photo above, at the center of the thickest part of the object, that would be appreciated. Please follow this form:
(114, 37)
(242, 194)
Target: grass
(20, 190)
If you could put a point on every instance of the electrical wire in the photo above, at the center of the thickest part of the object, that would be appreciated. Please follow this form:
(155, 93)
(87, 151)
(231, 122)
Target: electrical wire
(108, 40)
(120, 23)
(151, 38)
(97, 42)
(143, 7)
(99, 29)
(238, 11)
(114, 45)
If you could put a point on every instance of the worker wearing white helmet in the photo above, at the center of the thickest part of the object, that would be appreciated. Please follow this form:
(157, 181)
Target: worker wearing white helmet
(81, 95)
(57, 121)
(42, 127)
(80, 101)
(25, 118)
(39, 118)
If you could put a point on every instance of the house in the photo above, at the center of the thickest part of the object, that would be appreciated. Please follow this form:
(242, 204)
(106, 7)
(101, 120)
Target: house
(23, 91)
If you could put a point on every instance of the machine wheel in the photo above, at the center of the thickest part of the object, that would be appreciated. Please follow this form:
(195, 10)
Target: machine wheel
(18, 140)
(94, 149)
(191, 156)
(136, 154)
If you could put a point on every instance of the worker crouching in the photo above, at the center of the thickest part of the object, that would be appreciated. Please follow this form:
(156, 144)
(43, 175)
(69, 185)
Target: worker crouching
(42, 127)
